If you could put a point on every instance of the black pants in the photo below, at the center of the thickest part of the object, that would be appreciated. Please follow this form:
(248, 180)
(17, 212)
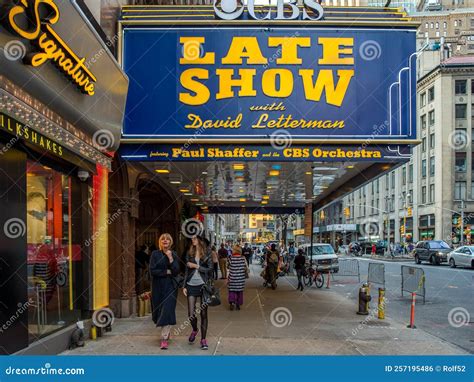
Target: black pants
(299, 274)
(192, 300)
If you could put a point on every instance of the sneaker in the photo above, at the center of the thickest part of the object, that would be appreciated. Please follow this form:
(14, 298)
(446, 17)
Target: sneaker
(204, 345)
(164, 345)
(238, 307)
(192, 336)
(231, 306)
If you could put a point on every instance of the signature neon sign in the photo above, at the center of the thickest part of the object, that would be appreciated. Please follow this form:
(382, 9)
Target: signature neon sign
(40, 15)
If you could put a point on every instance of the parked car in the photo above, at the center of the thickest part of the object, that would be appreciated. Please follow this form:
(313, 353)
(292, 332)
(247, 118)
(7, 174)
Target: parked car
(322, 257)
(462, 257)
(434, 251)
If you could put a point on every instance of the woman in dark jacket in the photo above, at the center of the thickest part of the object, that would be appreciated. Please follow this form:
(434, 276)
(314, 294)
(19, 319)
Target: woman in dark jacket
(164, 267)
(199, 270)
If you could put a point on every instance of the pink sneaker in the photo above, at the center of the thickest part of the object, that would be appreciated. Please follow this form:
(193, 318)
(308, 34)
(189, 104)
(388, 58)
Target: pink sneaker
(192, 336)
(164, 345)
(204, 345)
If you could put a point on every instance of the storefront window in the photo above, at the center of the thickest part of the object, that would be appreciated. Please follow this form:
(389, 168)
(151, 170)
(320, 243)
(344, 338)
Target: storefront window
(50, 250)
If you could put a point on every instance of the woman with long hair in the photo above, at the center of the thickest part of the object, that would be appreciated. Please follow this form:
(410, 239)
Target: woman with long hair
(199, 270)
(238, 269)
(164, 267)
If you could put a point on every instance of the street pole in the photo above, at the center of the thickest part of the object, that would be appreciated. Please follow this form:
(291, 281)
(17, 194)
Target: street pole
(462, 222)
(311, 240)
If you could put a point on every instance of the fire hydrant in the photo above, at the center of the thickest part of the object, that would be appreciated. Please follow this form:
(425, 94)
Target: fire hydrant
(364, 298)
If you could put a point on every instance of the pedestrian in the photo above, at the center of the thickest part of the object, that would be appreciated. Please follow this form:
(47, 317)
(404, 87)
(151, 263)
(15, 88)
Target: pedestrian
(223, 255)
(164, 267)
(300, 262)
(273, 259)
(246, 252)
(374, 249)
(199, 270)
(215, 261)
(238, 269)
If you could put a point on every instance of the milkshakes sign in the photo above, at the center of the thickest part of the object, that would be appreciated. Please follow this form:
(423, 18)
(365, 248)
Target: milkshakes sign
(248, 82)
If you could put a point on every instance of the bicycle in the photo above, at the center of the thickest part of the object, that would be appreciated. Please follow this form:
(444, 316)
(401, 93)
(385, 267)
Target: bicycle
(312, 275)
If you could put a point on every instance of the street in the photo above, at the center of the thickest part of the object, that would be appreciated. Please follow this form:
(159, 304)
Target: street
(446, 289)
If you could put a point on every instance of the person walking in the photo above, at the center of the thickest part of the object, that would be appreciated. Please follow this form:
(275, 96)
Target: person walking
(164, 267)
(247, 253)
(199, 270)
(373, 250)
(215, 261)
(300, 262)
(273, 259)
(238, 269)
(223, 255)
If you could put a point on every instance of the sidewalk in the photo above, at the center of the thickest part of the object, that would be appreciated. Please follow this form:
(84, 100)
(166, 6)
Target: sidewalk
(283, 321)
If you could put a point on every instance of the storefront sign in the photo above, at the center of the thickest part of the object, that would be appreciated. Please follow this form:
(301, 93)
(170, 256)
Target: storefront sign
(221, 83)
(49, 44)
(176, 153)
(25, 133)
(233, 9)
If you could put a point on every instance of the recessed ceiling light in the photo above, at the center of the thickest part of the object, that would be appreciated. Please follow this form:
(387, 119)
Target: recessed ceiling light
(350, 166)
(242, 200)
(204, 173)
(184, 190)
(309, 173)
(188, 193)
(274, 173)
(162, 171)
(265, 197)
(175, 181)
(264, 202)
(238, 166)
(195, 200)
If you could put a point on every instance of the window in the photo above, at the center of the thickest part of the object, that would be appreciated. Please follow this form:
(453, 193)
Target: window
(472, 190)
(49, 200)
(423, 194)
(472, 86)
(460, 87)
(432, 166)
(410, 173)
(431, 25)
(426, 25)
(445, 34)
(431, 117)
(423, 144)
(460, 190)
(422, 99)
(460, 163)
(426, 34)
(437, 33)
(460, 111)
(393, 179)
(432, 193)
(437, 25)
(445, 25)
(377, 185)
(432, 141)
(423, 168)
(431, 94)
(404, 175)
(423, 121)
(455, 23)
(386, 182)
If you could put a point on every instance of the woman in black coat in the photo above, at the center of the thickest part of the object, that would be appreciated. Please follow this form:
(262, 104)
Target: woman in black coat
(199, 270)
(164, 267)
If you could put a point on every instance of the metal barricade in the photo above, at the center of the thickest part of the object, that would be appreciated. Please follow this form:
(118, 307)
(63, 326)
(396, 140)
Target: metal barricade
(348, 267)
(376, 274)
(413, 281)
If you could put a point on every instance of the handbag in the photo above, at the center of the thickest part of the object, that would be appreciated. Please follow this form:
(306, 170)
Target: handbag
(210, 294)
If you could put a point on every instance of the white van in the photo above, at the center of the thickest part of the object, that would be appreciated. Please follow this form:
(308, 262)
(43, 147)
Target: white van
(323, 257)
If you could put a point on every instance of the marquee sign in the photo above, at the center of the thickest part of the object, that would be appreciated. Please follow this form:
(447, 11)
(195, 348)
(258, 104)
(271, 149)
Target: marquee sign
(33, 21)
(313, 84)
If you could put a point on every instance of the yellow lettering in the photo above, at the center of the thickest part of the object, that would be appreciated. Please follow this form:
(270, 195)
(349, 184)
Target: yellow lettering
(192, 51)
(244, 47)
(269, 82)
(201, 92)
(226, 83)
(289, 48)
(325, 82)
(333, 47)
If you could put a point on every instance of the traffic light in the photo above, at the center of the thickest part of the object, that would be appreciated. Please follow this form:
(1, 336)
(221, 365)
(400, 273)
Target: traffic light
(321, 215)
(402, 229)
(409, 211)
(347, 212)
